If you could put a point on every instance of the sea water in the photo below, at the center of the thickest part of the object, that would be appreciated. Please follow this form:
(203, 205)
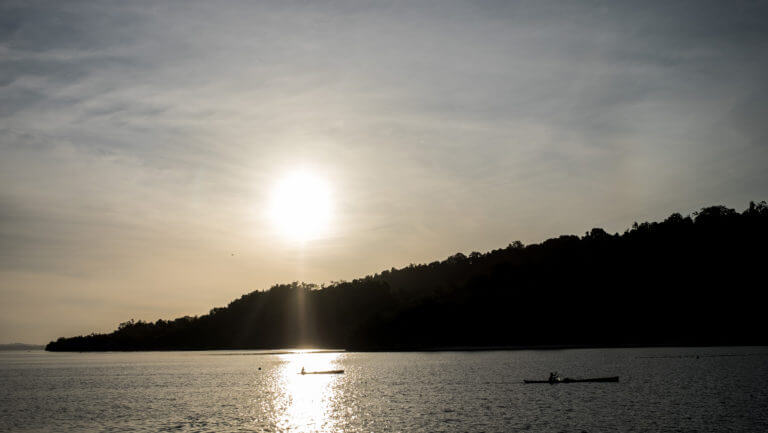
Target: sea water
(718, 389)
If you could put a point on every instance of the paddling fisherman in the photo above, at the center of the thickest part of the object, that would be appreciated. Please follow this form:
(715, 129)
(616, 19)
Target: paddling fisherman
(554, 377)
(302, 371)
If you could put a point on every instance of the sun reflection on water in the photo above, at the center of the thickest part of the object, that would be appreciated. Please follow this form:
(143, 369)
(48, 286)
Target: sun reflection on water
(307, 400)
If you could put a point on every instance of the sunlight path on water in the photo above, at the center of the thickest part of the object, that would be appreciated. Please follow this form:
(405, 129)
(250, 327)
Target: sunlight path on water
(305, 402)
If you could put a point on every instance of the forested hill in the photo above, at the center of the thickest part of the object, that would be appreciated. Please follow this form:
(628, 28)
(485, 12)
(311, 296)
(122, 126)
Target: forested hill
(688, 280)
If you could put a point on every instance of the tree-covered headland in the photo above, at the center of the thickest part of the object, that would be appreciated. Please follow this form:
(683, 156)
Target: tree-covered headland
(687, 280)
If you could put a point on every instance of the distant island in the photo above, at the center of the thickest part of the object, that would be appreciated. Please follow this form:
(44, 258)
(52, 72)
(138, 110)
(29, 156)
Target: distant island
(687, 280)
(21, 346)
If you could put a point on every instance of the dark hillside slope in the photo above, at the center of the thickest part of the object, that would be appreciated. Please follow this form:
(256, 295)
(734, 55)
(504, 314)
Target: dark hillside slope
(684, 281)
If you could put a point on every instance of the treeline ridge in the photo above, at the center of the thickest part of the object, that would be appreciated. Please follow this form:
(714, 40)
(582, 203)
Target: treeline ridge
(687, 280)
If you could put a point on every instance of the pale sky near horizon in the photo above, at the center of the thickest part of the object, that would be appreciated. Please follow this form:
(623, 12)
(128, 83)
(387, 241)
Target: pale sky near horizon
(140, 141)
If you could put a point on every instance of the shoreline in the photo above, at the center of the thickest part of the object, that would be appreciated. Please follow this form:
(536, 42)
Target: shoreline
(549, 347)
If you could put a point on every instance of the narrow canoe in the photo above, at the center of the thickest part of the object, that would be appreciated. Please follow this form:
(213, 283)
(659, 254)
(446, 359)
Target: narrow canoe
(324, 372)
(569, 380)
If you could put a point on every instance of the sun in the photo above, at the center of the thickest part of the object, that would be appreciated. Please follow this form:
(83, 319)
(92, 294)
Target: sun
(300, 206)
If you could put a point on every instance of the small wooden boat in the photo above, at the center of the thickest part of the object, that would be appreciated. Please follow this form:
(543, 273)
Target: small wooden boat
(569, 380)
(323, 372)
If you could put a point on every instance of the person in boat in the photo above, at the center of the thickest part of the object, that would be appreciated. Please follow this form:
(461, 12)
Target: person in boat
(302, 370)
(554, 377)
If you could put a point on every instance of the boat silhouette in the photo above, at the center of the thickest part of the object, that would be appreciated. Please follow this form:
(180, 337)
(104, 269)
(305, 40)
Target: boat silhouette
(322, 372)
(555, 378)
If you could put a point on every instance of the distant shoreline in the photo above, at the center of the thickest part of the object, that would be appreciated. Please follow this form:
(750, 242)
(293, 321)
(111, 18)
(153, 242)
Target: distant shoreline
(22, 346)
(549, 347)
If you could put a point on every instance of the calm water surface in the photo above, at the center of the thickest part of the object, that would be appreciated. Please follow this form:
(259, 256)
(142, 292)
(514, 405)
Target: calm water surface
(670, 389)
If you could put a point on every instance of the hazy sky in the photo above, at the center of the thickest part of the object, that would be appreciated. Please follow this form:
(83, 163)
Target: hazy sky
(140, 142)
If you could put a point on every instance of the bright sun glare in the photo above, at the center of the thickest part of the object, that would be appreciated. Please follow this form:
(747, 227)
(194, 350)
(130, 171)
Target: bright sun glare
(300, 206)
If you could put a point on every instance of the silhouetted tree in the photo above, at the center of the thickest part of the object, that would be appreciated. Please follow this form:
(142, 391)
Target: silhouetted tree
(683, 281)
